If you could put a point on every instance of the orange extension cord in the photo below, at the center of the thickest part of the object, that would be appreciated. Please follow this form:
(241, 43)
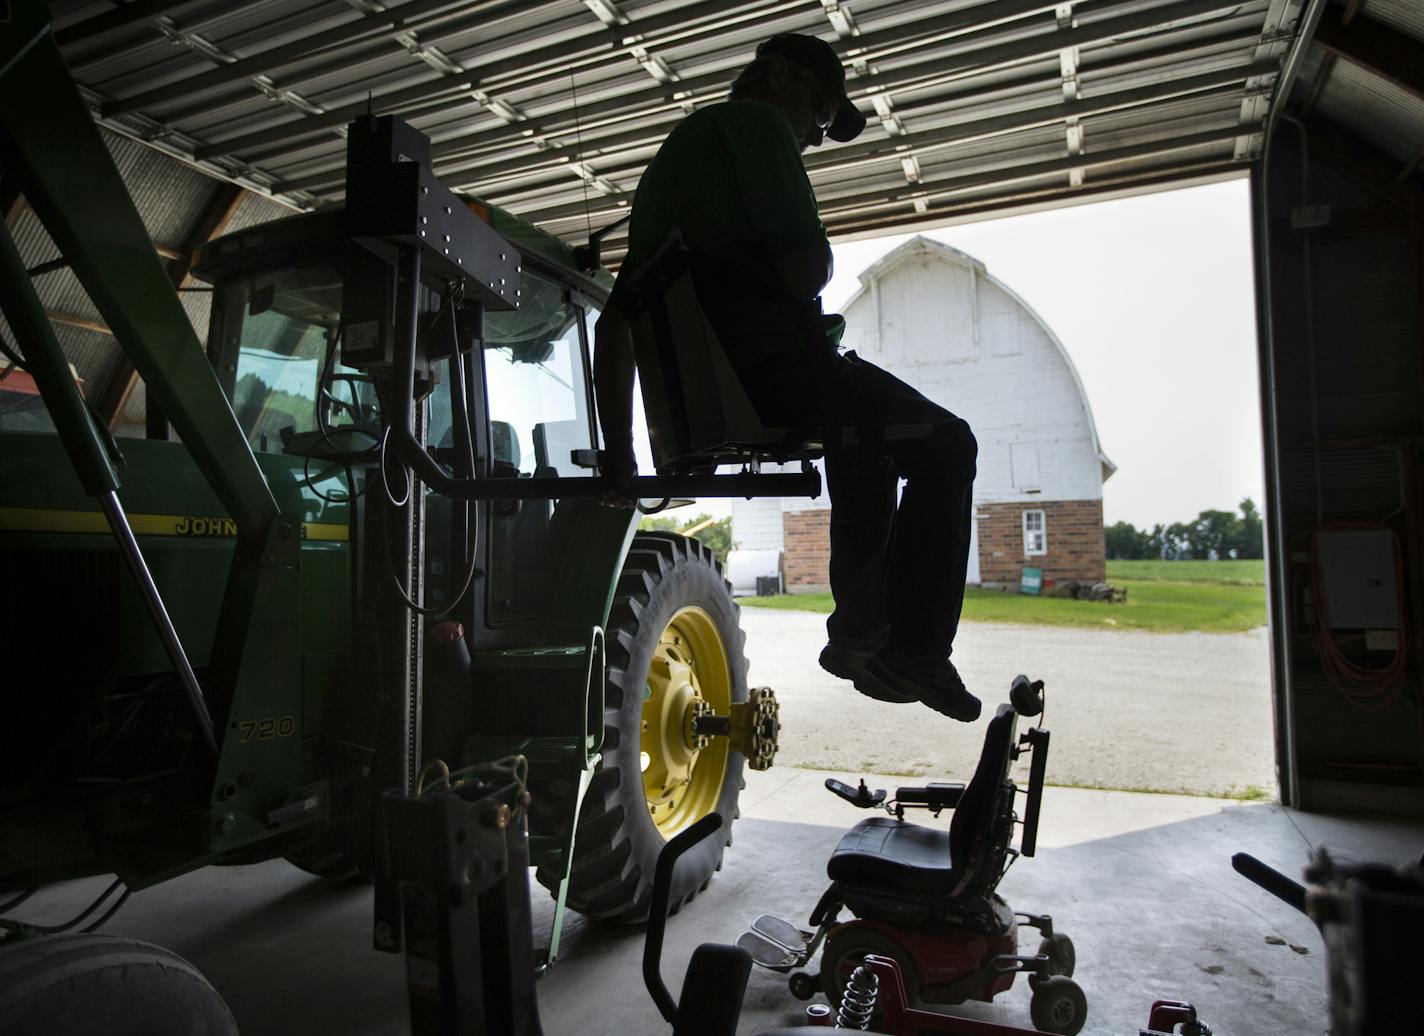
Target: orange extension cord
(1365, 687)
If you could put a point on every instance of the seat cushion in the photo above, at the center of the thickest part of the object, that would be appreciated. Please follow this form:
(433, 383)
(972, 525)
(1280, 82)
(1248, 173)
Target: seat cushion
(883, 851)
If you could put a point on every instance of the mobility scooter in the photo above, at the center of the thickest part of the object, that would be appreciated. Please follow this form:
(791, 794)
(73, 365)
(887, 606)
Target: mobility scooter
(925, 898)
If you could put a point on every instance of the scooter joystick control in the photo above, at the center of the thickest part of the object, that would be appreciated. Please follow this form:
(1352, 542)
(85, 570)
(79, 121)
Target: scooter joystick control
(861, 797)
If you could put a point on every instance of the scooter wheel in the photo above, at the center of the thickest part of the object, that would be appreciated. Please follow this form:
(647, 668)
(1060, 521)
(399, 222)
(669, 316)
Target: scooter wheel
(1058, 1006)
(1058, 948)
(804, 986)
(847, 946)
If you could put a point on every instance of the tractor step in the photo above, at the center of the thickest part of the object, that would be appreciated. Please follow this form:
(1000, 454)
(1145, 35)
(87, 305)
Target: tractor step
(774, 943)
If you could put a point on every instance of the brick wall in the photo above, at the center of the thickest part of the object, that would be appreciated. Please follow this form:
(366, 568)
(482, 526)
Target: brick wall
(806, 546)
(1075, 544)
(1075, 541)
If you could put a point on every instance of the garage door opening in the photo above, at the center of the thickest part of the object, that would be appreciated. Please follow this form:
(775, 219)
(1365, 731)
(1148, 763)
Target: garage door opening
(1106, 357)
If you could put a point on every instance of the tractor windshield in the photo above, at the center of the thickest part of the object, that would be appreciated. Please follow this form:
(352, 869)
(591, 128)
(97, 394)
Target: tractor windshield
(285, 336)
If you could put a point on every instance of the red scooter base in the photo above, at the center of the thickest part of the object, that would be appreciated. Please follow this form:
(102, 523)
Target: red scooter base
(898, 1018)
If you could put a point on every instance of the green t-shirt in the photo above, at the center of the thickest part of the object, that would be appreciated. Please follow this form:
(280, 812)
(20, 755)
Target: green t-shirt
(729, 177)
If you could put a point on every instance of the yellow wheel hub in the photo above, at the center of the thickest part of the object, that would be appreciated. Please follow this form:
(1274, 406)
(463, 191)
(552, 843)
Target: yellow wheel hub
(689, 677)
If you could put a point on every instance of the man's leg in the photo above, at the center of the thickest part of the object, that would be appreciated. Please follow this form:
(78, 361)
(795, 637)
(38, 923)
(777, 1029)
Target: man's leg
(862, 524)
(911, 570)
(930, 556)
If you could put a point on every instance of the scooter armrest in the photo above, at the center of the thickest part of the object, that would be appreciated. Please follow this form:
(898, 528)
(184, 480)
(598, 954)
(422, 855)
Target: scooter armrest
(934, 796)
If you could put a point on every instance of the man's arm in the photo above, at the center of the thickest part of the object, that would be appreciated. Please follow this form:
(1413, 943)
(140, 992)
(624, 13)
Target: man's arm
(805, 271)
(613, 366)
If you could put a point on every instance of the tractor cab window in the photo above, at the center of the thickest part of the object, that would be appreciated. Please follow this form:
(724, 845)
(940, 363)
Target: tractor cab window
(538, 401)
(536, 384)
(283, 325)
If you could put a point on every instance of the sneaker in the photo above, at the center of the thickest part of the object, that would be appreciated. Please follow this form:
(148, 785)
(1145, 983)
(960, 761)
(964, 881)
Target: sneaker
(850, 665)
(933, 681)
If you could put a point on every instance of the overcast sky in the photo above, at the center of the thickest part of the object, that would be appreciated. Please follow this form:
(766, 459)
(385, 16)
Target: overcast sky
(1153, 298)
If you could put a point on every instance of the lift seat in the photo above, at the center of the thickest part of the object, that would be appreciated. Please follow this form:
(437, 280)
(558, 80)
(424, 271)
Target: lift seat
(698, 412)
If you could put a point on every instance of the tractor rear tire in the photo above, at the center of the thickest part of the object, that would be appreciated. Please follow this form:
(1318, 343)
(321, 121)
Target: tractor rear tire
(671, 606)
(108, 984)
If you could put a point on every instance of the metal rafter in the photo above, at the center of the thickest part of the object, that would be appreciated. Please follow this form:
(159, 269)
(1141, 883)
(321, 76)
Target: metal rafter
(1177, 174)
(388, 24)
(973, 100)
(541, 65)
(652, 112)
(857, 157)
(1001, 128)
(1374, 47)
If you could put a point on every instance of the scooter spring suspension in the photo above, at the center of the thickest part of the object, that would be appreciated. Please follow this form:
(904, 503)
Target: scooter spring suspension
(858, 1000)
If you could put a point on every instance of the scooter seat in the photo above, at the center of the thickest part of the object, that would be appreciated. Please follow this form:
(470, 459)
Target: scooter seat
(889, 853)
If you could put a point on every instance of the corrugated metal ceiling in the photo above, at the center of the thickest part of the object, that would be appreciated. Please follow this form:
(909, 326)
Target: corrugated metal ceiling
(1365, 75)
(971, 105)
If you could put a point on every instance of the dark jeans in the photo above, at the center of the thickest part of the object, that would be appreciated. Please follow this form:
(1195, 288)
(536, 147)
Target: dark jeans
(897, 567)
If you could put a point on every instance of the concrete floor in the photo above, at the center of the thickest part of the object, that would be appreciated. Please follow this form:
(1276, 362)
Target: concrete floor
(1142, 883)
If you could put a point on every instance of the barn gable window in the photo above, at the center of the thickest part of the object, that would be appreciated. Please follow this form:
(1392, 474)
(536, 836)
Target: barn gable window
(1035, 533)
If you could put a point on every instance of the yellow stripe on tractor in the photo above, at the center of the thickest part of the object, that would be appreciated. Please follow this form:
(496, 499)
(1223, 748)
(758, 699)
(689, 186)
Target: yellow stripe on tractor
(38, 519)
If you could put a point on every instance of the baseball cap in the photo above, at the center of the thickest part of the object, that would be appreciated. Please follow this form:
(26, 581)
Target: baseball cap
(816, 56)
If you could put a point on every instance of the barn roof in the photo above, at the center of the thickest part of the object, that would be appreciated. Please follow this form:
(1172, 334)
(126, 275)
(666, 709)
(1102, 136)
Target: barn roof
(919, 246)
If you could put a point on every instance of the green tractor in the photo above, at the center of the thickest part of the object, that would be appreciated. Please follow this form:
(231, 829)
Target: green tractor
(368, 564)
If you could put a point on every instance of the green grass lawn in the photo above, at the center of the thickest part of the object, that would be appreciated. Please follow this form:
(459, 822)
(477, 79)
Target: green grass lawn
(1162, 598)
(1232, 573)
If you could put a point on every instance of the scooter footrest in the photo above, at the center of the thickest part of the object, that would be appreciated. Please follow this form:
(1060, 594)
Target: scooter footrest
(783, 933)
(766, 953)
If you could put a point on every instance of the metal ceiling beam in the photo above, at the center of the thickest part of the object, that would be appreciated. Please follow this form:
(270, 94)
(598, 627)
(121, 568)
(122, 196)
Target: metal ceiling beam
(1000, 126)
(596, 51)
(999, 205)
(1374, 47)
(852, 157)
(443, 34)
(1081, 107)
(138, 12)
(942, 187)
(363, 28)
(935, 67)
(1037, 198)
(212, 221)
(1305, 25)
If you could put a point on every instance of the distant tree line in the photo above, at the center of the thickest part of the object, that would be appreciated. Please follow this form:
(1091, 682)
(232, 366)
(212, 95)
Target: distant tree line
(716, 535)
(1212, 535)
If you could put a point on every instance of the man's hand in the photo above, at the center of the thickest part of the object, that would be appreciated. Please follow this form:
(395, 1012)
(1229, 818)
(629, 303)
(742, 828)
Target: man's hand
(617, 464)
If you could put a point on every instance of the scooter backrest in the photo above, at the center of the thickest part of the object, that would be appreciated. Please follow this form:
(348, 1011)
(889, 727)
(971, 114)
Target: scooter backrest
(977, 834)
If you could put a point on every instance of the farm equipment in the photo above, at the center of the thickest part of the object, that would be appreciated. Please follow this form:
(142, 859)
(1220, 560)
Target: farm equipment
(370, 560)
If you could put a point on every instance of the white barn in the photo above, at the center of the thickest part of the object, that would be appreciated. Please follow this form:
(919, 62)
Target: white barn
(936, 318)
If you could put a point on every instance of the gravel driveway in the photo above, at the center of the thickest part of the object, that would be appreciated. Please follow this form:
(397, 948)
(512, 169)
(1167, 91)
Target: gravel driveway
(1167, 711)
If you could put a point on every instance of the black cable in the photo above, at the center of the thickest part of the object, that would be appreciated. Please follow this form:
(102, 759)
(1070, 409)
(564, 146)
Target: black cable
(385, 479)
(18, 926)
(118, 904)
(460, 420)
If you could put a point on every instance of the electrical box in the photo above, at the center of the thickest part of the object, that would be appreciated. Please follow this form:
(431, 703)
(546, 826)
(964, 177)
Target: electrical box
(1358, 578)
